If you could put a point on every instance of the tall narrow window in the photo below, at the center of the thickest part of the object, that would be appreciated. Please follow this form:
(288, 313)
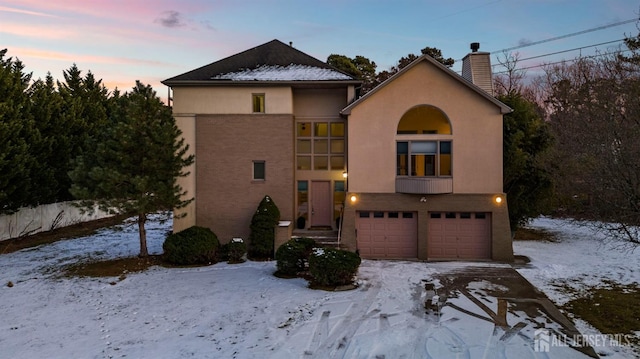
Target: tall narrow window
(258, 102)
(259, 171)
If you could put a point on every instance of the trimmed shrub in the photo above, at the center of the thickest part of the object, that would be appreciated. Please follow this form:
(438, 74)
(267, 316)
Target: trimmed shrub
(236, 250)
(263, 225)
(332, 267)
(293, 256)
(194, 245)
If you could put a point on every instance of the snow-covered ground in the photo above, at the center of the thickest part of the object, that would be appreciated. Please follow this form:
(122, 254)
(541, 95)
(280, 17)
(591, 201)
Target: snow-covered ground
(243, 311)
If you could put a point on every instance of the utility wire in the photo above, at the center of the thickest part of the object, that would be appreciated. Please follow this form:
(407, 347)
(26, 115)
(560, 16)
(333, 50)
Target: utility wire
(564, 51)
(568, 35)
(563, 61)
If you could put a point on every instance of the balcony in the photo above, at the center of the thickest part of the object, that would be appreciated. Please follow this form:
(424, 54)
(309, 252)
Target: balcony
(424, 185)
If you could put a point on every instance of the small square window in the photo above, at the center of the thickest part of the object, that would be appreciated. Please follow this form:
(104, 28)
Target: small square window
(407, 214)
(258, 102)
(378, 214)
(393, 215)
(259, 171)
(363, 214)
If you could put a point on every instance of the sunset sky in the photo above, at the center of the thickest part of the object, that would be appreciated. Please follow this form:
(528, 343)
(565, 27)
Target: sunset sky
(151, 40)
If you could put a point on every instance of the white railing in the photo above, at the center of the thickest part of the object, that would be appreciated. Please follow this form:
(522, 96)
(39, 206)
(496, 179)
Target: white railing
(424, 185)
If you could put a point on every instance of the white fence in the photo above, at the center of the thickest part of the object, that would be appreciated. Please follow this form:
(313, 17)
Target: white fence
(44, 218)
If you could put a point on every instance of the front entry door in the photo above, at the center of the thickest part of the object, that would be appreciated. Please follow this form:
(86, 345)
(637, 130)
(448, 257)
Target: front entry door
(321, 204)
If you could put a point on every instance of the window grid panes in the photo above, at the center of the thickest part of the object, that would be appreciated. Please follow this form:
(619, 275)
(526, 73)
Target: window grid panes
(423, 158)
(320, 145)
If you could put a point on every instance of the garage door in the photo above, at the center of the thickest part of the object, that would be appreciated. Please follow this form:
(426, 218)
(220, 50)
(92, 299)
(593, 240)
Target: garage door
(459, 235)
(387, 234)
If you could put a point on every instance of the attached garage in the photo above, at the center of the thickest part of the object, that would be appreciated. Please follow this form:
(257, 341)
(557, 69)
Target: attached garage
(462, 235)
(391, 234)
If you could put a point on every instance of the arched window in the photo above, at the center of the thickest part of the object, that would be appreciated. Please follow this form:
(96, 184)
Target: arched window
(421, 156)
(424, 119)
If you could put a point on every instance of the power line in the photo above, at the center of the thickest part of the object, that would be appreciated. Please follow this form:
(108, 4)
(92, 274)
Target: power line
(564, 51)
(563, 61)
(568, 35)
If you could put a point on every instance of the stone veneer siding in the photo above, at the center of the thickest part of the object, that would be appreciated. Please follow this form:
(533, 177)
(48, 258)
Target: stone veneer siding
(501, 248)
(226, 146)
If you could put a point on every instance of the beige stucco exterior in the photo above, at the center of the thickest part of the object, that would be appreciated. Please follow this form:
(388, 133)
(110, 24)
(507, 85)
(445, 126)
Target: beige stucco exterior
(476, 136)
(230, 99)
(476, 132)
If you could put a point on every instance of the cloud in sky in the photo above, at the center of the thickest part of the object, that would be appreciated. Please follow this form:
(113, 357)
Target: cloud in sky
(171, 19)
(24, 12)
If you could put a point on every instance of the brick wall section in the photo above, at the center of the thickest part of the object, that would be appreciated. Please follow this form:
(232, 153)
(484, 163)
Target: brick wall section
(226, 146)
(501, 248)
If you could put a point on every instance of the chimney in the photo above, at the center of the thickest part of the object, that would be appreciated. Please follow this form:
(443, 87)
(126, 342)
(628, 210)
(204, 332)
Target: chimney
(476, 68)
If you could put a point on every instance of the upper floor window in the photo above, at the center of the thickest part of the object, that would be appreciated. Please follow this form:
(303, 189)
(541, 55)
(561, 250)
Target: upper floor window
(424, 119)
(426, 153)
(423, 158)
(258, 102)
(320, 146)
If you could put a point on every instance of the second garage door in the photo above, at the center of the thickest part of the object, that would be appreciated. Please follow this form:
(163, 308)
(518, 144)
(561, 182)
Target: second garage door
(459, 235)
(387, 234)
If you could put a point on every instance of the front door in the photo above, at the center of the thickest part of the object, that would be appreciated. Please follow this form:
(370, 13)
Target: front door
(321, 204)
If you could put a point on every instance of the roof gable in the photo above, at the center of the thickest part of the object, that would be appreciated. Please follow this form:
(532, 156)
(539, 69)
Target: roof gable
(272, 61)
(503, 108)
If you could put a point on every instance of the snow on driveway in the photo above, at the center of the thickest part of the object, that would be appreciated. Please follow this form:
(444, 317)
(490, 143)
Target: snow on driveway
(243, 311)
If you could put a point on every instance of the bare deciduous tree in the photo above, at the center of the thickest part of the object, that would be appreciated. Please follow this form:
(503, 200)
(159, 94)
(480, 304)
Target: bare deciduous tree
(594, 109)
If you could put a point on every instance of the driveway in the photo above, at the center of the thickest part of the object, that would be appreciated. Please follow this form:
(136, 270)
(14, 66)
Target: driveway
(459, 310)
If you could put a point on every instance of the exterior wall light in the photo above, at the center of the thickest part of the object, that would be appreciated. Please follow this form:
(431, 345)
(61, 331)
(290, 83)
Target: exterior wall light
(344, 174)
(353, 198)
(498, 199)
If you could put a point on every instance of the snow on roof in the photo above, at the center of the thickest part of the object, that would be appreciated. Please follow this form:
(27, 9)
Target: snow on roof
(291, 72)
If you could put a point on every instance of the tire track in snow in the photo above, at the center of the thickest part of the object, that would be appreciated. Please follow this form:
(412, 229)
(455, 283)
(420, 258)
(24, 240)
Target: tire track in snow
(336, 343)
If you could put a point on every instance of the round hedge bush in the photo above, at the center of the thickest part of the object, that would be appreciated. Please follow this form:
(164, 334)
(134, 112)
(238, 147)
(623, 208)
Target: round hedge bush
(194, 245)
(333, 267)
(292, 257)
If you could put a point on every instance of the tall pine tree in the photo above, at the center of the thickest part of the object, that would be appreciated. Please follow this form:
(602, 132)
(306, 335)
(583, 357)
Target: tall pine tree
(135, 167)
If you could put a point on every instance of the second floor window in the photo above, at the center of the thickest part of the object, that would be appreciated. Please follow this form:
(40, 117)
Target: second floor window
(258, 102)
(423, 158)
(320, 146)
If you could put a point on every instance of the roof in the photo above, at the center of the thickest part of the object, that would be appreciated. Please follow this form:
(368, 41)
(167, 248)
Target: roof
(503, 108)
(273, 61)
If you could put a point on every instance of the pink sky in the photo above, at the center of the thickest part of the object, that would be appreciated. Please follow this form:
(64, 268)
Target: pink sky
(122, 41)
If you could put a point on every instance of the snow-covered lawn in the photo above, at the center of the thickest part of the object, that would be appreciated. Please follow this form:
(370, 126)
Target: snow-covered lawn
(243, 311)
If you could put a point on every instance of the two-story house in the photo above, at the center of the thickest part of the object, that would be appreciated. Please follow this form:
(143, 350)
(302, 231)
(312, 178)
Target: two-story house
(413, 169)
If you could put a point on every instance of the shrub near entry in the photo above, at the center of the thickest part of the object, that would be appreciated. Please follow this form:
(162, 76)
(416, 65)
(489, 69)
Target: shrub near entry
(263, 224)
(332, 267)
(236, 249)
(293, 256)
(194, 245)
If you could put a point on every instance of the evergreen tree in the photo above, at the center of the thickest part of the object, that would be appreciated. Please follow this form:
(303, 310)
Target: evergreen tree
(48, 145)
(263, 225)
(135, 167)
(16, 127)
(527, 179)
(84, 116)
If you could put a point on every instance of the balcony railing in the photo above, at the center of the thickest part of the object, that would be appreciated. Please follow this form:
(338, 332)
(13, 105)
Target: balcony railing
(424, 185)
